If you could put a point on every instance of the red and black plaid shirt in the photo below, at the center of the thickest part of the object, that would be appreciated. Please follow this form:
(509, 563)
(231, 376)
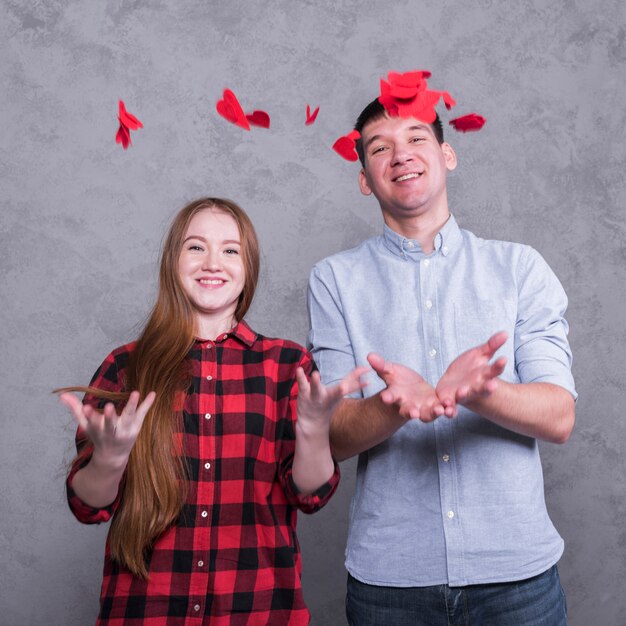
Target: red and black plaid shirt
(232, 557)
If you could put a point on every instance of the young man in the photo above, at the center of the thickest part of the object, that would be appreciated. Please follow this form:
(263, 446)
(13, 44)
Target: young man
(448, 523)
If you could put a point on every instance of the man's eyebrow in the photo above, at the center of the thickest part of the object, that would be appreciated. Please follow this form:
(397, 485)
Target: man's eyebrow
(418, 127)
(371, 140)
(374, 138)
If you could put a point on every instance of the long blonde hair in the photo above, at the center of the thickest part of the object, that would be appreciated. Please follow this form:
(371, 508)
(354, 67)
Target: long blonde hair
(154, 487)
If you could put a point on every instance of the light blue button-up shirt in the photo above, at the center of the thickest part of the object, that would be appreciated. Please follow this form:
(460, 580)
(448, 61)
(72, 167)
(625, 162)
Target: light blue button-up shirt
(457, 501)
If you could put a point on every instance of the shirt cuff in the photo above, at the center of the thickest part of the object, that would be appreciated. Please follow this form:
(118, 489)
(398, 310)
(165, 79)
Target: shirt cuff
(85, 513)
(312, 502)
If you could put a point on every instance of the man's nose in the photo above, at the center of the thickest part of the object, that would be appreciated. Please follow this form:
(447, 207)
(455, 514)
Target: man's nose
(400, 155)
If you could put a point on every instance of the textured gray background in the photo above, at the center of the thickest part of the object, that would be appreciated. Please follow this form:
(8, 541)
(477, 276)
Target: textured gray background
(82, 220)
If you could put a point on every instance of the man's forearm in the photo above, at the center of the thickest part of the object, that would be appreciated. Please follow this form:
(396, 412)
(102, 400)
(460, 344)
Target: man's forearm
(540, 410)
(358, 425)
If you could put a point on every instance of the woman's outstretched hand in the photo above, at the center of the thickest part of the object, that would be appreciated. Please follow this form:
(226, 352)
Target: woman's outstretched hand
(112, 435)
(313, 463)
(317, 402)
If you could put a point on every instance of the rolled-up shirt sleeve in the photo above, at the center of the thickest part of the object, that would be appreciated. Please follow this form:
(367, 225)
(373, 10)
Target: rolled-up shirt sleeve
(310, 502)
(542, 351)
(85, 513)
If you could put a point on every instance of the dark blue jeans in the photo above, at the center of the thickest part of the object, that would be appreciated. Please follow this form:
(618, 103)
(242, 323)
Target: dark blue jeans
(537, 601)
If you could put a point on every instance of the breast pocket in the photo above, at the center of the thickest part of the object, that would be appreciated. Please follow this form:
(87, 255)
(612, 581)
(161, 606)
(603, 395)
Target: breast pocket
(476, 321)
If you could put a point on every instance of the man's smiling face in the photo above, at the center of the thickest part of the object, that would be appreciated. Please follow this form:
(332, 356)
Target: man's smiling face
(405, 168)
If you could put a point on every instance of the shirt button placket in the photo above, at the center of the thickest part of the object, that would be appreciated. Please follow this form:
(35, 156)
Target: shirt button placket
(207, 420)
(430, 322)
(434, 367)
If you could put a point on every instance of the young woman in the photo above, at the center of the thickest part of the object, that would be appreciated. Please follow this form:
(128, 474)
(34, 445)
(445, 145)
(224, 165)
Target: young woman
(188, 440)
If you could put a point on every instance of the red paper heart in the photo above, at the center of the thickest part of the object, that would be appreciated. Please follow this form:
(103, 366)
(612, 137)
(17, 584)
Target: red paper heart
(123, 136)
(448, 100)
(127, 119)
(469, 122)
(422, 107)
(345, 147)
(407, 95)
(400, 92)
(230, 109)
(259, 118)
(310, 117)
(408, 78)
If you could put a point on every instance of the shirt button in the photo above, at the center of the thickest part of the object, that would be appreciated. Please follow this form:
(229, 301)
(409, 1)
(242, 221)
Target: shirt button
(196, 607)
(209, 377)
(200, 563)
(445, 249)
(207, 416)
(207, 466)
(225, 337)
(429, 304)
(204, 513)
(450, 514)
(446, 457)
(432, 352)
(410, 245)
(426, 262)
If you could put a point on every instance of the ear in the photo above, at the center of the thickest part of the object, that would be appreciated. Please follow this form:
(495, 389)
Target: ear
(363, 184)
(449, 156)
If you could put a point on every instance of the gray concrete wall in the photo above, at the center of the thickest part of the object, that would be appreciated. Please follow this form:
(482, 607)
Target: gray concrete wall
(81, 222)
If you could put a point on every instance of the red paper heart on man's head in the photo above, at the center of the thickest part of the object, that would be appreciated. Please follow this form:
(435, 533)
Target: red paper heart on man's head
(230, 109)
(259, 118)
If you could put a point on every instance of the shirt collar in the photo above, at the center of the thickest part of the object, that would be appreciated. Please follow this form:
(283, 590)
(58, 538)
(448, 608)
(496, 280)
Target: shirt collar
(445, 241)
(242, 332)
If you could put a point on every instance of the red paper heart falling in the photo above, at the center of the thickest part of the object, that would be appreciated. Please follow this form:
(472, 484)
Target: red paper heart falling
(310, 117)
(346, 146)
(259, 118)
(230, 109)
(128, 122)
(123, 136)
(468, 123)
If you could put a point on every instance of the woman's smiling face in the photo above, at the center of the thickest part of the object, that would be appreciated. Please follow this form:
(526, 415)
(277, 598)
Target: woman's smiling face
(211, 268)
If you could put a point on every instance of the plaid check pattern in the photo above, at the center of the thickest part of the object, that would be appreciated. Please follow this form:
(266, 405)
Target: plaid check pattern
(233, 557)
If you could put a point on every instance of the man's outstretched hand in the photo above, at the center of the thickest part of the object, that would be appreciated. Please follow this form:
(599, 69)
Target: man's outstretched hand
(412, 396)
(468, 377)
(471, 375)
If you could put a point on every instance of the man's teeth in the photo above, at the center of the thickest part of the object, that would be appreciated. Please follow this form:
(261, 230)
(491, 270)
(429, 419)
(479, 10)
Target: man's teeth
(206, 281)
(407, 177)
